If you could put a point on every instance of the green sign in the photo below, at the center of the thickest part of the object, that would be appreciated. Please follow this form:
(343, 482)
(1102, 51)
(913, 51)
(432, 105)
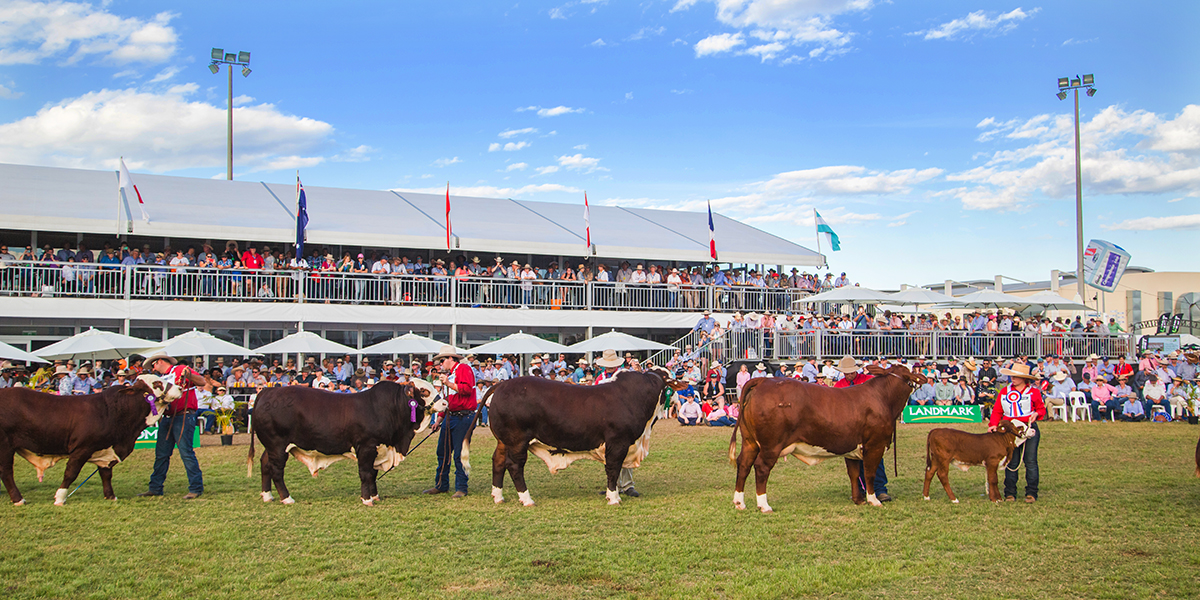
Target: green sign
(943, 414)
(149, 437)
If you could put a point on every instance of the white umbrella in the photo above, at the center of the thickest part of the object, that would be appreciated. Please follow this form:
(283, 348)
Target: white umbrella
(305, 342)
(409, 343)
(990, 299)
(199, 343)
(919, 295)
(616, 340)
(1050, 301)
(852, 295)
(1187, 339)
(519, 343)
(94, 344)
(12, 353)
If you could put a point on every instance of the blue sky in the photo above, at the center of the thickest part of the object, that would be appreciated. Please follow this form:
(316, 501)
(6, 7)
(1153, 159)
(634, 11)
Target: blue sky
(927, 134)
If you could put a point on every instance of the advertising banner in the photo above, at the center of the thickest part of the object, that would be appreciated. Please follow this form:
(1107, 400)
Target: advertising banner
(943, 414)
(149, 438)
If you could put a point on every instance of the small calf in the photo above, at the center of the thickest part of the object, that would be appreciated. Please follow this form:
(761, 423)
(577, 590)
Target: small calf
(992, 450)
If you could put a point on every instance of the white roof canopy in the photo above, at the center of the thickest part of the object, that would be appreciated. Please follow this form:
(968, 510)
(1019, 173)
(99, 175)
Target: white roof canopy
(75, 200)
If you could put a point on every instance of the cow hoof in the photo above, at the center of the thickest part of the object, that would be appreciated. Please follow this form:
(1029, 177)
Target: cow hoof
(497, 495)
(20, 502)
(926, 497)
(267, 497)
(60, 497)
(375, 497)
(954, 501)
(288, 500)
(612, 496)
(761, 501)
(368, 501)
(525, 498)
(874, 500)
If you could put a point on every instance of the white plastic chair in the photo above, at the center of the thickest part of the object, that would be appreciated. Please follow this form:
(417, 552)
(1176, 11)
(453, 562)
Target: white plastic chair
(1177, 410)
(1078, 402)
(1057, 409)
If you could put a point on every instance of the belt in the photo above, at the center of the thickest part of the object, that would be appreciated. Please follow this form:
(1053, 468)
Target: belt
(460, 413)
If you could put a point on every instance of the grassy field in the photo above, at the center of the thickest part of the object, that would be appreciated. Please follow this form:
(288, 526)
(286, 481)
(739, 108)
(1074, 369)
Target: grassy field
(1117, 518)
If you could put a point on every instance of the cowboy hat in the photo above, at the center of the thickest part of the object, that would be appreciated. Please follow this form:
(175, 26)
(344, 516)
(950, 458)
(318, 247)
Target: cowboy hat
(62, 370)
(1093, 357)
(150, 360)
(847, 365)
(969, 363)
(1060, 376)
(761, 367)
(448, 351)
(609, 359)
(1019, 371)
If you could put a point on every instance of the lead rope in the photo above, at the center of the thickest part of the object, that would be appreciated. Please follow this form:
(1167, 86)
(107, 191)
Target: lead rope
(411, 450)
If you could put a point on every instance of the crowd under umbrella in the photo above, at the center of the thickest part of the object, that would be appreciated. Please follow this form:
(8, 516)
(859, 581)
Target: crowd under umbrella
(989, 299)
(920, 296)
(199, 343)
(852, 295)
(94, 344)
(409, 343)
(521, 344)
(305, 342)
(8, 352)
(1048, 300)
(616, 340)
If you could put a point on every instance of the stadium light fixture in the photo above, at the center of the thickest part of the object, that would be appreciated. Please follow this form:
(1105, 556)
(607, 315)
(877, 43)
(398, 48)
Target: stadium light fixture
(1077, 83)
(1062, 81)
(241, 59)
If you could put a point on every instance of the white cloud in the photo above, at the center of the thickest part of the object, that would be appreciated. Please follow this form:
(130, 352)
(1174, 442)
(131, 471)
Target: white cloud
(977, 22)
(9, 94)
(629, 95)
(166, 74)
(598, 43)
(580, 147)
(516, 167)
(1123, 152)
(557, 13)
(681, 92)
(1157, 223)
(1075, 42)
(580, 162)
(646, 32)
(557, 110)
(241, 100)
(494, 146)
(716, 44)
(509, 147)
(358, 154)
(546, 170)
(778, 25)
(897, 223)
(509, 133)
(846, 180)
(159, 132)
(488, 191)
(31, 32)
(445, 162)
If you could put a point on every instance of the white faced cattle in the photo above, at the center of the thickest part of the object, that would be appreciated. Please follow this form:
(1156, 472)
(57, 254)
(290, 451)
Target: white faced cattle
(561, 423)
(781, 417)
(993, 450)
(374, 428)
(95, 428)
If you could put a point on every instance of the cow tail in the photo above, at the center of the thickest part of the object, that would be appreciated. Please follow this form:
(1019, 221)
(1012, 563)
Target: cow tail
(250, 458)
(896, 451)
(745, 403)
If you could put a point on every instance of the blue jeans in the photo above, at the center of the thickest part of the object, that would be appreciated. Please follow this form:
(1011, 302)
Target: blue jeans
(721, 422)
(881, 479)
(454, 429)
(210, 420)
(1028, 453)
(173, 431)
(687, 422)
(1110, 407)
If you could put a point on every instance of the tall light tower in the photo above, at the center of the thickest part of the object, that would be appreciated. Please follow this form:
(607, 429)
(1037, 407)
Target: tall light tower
(241, 59)
(1066, 83)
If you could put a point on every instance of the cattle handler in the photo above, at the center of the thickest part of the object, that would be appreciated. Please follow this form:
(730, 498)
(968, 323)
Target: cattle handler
(611, 362)
(460, 414)
(177, 426)
(851, 376)
(1020, 401)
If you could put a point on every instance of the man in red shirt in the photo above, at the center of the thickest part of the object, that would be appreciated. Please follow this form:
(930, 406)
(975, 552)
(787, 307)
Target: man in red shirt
(1020, 401)
(459, 381)
(851, 376)
(176, 426)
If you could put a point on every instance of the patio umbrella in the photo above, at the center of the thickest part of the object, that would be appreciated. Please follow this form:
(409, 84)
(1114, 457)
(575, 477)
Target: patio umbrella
(852, 295)
(305, 342)
(409, 343)
(94, 344)
(12, 353)
(617, 340)
(990, 299)
(519, 343)
(918, 295)
(1050, 301)
(199, 343)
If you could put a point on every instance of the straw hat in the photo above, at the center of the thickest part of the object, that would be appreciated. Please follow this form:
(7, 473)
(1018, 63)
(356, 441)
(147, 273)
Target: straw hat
(62, 370)
(447, 351)
(609, 359)
(1060, 376)
(1019, 371)
(762, 367)
(970, 363)
(847, 365)
(149, 362)
(1093, 357)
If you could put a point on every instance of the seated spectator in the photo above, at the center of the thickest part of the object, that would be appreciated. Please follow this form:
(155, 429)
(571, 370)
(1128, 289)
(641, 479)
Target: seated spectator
(718, 417)
(1061, 385)
(1155, 394)
(690, 413)
(1132, 410)
(204, 409)
(963, 393)
(1104, 400)
(923, 395)
(944, 391)
(679, 398)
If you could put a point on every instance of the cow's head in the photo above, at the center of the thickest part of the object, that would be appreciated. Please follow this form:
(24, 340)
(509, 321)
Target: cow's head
(912, 379)
(430, 400)
(160, 394)
(1020, 430)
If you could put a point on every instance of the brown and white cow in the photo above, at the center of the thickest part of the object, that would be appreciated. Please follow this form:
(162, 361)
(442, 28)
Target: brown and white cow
(374, 428)
(561, 423)
(993, 450)
(95, 428)
(783, 416)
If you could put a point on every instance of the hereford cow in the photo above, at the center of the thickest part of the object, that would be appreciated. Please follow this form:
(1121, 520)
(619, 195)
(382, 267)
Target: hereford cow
(97, 428)
(993, 450)
(561, 423)
(374, 427)
(781, 417)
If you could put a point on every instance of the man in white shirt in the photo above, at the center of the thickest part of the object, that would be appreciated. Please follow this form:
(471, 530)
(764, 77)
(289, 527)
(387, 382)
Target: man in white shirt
(1155, 394)
(689, 412)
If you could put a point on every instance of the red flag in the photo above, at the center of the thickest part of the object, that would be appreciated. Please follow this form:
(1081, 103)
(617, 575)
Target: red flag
(712, 234)
(587, 221)
(447, 216)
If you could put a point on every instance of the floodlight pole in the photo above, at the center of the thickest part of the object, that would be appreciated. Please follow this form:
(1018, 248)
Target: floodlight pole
(229, 130)
(1066, 83)
(240, 59)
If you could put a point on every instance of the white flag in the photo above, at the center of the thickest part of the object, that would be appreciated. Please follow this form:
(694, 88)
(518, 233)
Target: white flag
(124, 184)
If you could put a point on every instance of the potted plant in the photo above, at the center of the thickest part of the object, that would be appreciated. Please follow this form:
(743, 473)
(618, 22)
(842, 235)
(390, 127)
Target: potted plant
(1191, 402)
(225, 425)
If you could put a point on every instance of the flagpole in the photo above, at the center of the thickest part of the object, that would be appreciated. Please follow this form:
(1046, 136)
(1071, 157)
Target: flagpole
(119, 202)
(818, 236)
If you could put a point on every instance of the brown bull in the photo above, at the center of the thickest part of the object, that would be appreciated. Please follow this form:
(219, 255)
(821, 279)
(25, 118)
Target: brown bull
(813, 423)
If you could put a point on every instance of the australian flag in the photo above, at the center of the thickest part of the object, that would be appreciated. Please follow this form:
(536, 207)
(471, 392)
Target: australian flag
(301, 217)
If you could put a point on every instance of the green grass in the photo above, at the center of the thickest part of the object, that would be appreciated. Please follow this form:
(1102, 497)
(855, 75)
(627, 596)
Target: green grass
(1117, 518)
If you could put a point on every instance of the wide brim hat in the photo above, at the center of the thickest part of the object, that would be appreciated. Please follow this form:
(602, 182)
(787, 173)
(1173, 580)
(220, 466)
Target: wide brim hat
(1093, 357)
(1019, 371)
(753, 315)
(447, 351)
(609, 359)
(150, 360)
(1060, 376)
(847, 365)
(62, 370)
(761, 366)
